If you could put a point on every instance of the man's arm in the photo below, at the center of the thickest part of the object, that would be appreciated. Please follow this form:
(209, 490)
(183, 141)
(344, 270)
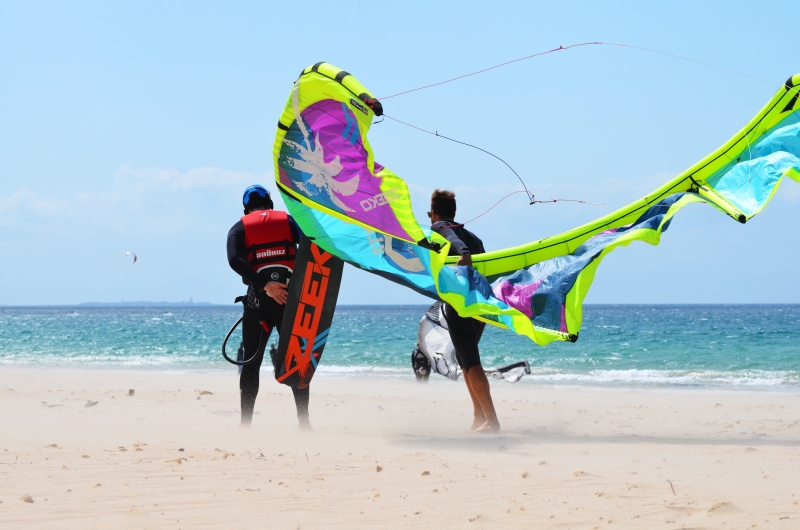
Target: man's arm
(237, 254)
(456, 244)
(237, 259)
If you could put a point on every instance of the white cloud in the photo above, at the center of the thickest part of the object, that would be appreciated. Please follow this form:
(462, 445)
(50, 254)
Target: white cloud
(143, 201)
(26, 201)
(172, 179)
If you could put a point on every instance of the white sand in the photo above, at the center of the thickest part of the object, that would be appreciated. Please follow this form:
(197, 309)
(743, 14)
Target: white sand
(566, 458)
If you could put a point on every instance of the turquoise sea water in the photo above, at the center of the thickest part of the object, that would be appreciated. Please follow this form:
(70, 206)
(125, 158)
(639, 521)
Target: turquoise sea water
(729, 346)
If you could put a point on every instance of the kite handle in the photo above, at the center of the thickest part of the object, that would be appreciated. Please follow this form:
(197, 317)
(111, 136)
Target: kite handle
(430, 245)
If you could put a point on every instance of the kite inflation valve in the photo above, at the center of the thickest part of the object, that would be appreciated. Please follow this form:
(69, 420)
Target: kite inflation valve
(573, 337)
(741, 218)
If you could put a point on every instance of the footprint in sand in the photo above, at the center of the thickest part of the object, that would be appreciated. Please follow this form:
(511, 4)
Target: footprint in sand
(26, 498)
(91, 404)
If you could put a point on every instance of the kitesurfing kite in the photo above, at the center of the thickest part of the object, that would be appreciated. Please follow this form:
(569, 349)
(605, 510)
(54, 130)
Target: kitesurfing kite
(359, 211)
(132, 254)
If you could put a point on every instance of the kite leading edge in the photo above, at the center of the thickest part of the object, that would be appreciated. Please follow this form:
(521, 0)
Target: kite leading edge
(359, 211)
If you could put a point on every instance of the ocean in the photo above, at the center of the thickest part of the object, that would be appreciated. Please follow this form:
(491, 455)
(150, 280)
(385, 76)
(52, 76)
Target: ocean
(718, 346)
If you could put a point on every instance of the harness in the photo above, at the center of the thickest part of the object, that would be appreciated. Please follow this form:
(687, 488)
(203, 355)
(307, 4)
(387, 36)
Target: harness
(268, 243)
(271, 253)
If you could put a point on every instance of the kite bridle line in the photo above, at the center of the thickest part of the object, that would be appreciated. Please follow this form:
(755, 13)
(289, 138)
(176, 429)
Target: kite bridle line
(560, 48)
(563, 48)
(534, 202)
(436, 133)
(528, 193)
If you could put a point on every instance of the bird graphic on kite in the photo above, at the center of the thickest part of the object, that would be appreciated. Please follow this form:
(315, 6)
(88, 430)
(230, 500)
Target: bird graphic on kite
(359, 211)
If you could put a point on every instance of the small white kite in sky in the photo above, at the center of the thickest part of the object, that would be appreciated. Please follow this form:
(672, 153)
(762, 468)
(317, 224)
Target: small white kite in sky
(132, 254)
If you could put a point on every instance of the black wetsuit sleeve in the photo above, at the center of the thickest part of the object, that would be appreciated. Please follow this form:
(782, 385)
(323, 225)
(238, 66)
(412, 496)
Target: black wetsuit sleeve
(457, 247)
(478, 245)
(237, 257)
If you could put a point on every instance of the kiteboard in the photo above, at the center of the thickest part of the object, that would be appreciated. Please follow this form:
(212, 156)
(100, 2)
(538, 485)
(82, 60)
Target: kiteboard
(308, 315)
(435, 352)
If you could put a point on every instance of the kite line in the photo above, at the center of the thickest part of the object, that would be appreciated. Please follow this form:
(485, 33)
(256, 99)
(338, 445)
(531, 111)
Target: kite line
(530, 195)
(436, 133)
(534, 202)
(560, 48)
(563, 48)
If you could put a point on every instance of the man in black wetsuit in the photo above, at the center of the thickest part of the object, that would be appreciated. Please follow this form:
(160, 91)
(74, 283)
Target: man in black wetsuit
(465, 332)
(261, 249)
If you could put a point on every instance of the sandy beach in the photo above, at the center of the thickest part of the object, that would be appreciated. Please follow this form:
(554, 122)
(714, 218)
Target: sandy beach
(77, 451)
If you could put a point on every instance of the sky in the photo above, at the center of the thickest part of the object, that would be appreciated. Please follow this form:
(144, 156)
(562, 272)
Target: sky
(135, 126)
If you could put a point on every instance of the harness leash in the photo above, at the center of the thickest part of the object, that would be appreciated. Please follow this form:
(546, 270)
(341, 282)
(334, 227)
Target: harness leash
(262, 342)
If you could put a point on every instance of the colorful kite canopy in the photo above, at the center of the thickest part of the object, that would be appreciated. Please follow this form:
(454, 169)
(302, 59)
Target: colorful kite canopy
(360, 211)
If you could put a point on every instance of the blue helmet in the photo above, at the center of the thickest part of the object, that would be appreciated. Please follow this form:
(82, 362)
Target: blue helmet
(257, 189)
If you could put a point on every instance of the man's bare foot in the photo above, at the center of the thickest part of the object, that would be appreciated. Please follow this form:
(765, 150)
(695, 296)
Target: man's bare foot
(304, 423)
(488, 428)
(477, 422)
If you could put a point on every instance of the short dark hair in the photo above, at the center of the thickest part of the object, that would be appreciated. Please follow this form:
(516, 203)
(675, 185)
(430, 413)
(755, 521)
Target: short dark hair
(257, 202)
(443, 203)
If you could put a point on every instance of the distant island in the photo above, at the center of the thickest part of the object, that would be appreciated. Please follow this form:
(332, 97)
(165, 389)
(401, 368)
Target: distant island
(190, 303)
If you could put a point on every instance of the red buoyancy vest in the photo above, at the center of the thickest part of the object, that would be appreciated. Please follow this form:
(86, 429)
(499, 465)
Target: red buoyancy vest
(269, 245)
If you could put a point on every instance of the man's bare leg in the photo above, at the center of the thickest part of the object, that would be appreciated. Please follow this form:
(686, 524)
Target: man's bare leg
(479, 385)
(478, 417)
